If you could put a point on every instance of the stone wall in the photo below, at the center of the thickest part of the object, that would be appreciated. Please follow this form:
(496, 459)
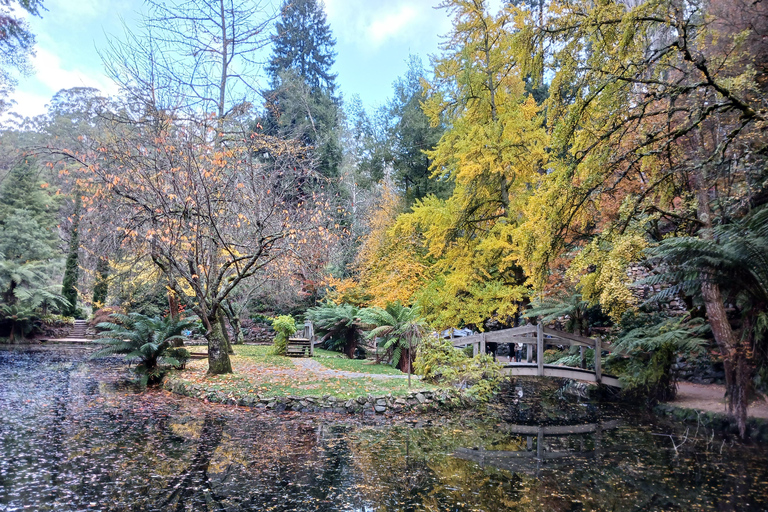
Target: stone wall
(258, 333)
(699, 370)
(644, 291)
(415, 401)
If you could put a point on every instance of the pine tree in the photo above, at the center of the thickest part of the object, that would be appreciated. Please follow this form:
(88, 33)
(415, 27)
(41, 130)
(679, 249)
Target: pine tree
(411, 135)
(303, 43)
(301, 103)
(101, 288)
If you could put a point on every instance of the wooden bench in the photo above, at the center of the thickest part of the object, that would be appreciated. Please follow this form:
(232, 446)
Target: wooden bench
(298, 347)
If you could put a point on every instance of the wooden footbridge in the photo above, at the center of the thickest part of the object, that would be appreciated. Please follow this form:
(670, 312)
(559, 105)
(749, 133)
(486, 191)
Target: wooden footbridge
(539, 337)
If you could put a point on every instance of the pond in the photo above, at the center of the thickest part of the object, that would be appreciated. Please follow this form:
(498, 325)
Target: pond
(74, 435)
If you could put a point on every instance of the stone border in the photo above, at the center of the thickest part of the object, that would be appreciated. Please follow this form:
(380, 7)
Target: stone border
(757, 428)
(420, 401)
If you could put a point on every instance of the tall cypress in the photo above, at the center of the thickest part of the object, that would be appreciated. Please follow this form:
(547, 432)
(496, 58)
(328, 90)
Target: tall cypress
(71, 267)
(101, 288)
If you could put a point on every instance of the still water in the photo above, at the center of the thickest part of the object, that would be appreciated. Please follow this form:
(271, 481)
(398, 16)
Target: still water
(74, 435)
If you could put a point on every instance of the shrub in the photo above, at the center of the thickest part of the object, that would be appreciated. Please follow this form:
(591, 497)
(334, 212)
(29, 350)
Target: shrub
(438, 361)
(284, 326)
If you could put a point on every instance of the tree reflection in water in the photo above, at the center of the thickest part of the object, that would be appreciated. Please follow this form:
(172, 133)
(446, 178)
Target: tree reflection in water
(72, 438)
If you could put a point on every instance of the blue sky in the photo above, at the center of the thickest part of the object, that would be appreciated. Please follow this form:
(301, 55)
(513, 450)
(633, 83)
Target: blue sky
(374, 39)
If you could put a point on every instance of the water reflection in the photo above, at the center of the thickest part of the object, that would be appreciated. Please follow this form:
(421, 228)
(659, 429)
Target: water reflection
(75, 436)
(576, 443)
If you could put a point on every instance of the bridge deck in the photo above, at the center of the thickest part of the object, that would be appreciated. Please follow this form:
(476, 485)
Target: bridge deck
(564, 372)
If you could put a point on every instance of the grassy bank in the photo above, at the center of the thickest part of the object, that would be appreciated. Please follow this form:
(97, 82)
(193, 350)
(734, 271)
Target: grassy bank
(259, 374)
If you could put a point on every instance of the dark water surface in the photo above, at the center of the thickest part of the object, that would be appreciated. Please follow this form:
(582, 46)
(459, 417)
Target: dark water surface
(75, 436)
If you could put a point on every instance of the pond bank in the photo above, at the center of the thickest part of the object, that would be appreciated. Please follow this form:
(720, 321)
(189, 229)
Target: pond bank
(704, 405)
(420, 400)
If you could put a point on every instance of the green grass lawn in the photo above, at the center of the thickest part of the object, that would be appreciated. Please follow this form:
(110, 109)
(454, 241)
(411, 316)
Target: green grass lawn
(253, 354)
(337, 361)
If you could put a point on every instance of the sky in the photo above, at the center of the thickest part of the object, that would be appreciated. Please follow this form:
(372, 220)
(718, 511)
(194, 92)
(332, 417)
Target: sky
(373, 41)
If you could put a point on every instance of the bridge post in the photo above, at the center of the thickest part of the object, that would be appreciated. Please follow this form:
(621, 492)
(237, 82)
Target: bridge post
(540, 348)
(528, 352)
(475, 351)
(583, 356)
(540, 444)
(598, 350)
(482, 344)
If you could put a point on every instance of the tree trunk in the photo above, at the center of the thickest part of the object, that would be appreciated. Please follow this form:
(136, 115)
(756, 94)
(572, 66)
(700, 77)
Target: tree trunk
(351, 345)
(234, 322)
(238, 327)
(734, 358)
(218, 357)
(173, 304)
(225, 333)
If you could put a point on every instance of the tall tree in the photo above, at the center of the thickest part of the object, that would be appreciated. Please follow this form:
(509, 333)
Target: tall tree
(181, 168)
(412, 135)
(493, 150)
(28, 236)
(301, 102)
(72, 265)
(303, 43)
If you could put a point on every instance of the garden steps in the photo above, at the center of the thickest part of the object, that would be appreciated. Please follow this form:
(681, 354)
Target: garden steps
(77, 336)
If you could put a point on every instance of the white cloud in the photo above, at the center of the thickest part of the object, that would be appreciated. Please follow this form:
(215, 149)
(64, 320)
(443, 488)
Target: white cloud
(373, 25)
(392, 25)
(33, 93)
(29, 104)
(50, 72)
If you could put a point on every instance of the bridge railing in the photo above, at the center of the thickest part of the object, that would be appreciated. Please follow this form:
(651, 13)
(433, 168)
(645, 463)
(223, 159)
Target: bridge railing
(538, 336)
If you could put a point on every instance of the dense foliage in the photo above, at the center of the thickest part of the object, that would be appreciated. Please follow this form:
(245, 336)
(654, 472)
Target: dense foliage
(439, 361)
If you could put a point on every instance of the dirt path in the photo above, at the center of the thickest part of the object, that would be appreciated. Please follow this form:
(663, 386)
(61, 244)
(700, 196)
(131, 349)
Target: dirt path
(711, 398)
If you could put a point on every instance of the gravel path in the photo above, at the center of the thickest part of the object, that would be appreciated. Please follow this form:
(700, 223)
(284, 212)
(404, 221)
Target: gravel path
(312, 366)
(711, 398)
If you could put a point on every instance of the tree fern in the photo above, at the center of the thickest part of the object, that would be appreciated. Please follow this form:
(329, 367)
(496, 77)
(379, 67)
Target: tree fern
(651, 351)
(400, 328)
(148, 340)
(338, 325)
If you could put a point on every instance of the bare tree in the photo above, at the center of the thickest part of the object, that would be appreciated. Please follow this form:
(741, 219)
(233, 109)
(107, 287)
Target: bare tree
(179, 166)
(199, 55)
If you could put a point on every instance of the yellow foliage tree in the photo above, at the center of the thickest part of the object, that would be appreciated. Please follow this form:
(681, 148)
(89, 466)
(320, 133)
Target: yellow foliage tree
(494, 150)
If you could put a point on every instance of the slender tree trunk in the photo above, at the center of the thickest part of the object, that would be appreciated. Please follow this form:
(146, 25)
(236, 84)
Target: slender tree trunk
(234, 322)
(238, 327)
(173, 304)
(218, 356)
(737, 372)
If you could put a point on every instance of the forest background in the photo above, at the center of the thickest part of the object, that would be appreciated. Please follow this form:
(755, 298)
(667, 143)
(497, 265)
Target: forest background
(551, 153)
